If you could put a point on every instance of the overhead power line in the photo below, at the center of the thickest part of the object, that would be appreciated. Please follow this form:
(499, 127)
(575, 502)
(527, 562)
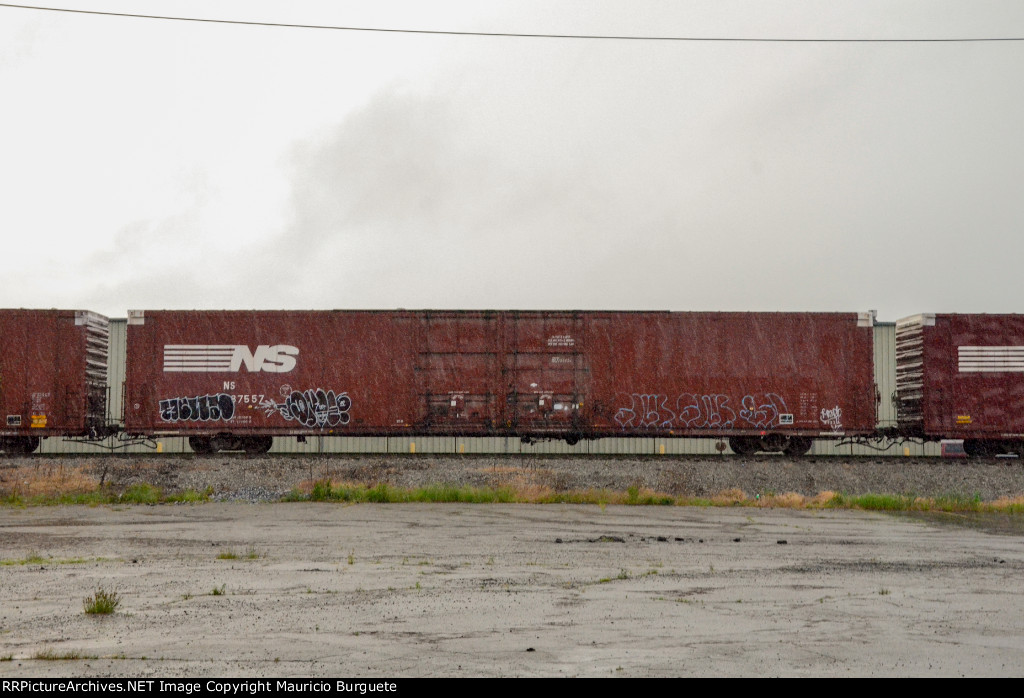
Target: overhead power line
(515, 35)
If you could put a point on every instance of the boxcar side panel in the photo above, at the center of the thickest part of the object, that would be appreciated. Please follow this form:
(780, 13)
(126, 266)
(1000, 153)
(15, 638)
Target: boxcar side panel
(46, 385)
(974, 376)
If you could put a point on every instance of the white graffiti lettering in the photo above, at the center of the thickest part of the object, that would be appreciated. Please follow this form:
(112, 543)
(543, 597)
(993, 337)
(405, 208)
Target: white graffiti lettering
(646, 411)
(202, 408)
(701, 411)
(833, 418)
(313, 408)
(762, 413)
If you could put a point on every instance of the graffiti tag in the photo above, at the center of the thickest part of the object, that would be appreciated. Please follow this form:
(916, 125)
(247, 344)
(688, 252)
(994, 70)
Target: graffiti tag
(698, 411)
(202, 408)
(701, 411)
(833, 418)
(763, 413)
(311, 408)
(646, 411)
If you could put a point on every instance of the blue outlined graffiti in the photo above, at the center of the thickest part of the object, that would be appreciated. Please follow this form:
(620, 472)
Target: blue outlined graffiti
(313, 408)
(763, 413)
(645, 411)
(833, 418)
(202, 408)
(702, 411)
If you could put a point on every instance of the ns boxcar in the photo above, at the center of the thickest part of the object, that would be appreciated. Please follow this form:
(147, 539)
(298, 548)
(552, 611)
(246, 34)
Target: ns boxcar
(236, 379)
(962, 377)
(53, 376)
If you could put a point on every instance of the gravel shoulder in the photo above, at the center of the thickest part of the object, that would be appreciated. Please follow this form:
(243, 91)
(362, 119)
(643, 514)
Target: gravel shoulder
(267, 478)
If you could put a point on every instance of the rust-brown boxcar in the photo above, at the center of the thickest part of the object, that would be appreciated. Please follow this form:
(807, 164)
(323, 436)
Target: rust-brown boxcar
(53, 376)
(235, 379)
(961, 376)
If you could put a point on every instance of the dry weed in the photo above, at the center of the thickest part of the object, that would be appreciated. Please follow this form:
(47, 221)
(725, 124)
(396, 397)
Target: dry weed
(1003, 503)
(786, 500)
(48, 480)
(731, 496)
(821, 499)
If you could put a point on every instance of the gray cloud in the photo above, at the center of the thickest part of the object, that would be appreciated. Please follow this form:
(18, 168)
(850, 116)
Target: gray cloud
(552, 175)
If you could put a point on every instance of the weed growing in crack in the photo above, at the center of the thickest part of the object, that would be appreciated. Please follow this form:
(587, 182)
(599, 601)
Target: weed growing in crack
(102, 602)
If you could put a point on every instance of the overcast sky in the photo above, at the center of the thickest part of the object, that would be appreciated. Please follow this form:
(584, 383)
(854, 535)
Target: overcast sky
(162, 164)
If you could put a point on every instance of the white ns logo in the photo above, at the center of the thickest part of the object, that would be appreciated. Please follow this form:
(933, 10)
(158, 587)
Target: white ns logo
(277, 358)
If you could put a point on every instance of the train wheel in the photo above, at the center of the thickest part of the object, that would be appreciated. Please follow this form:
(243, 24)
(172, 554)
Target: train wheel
(744, 446)
(797, 446)
(257, 444)
(978, 448)
(774, 442)
(20, 445)
(202, 445)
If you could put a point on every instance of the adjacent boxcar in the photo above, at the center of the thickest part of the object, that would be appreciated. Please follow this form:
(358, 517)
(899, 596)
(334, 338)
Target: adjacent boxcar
(962, 377)
(53, 376)
(235, 379)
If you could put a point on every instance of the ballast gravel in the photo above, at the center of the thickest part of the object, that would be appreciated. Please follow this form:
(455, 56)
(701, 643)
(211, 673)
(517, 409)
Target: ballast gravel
(270, 477)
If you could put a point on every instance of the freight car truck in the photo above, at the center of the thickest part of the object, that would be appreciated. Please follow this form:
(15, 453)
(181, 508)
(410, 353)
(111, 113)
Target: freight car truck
(53, 376)
(236, 379)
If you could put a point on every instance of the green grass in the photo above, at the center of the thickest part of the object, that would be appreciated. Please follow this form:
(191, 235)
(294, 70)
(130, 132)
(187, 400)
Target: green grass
(31, 559)
(78, 498)
(51, 656)
(958, 502)
(326, 491)
(912, 503)
(882, 502)
(136, 494)
(189, 497)
(102, 602)
(142, 493)
(251, 553)
(383, 493)
(35, 559)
